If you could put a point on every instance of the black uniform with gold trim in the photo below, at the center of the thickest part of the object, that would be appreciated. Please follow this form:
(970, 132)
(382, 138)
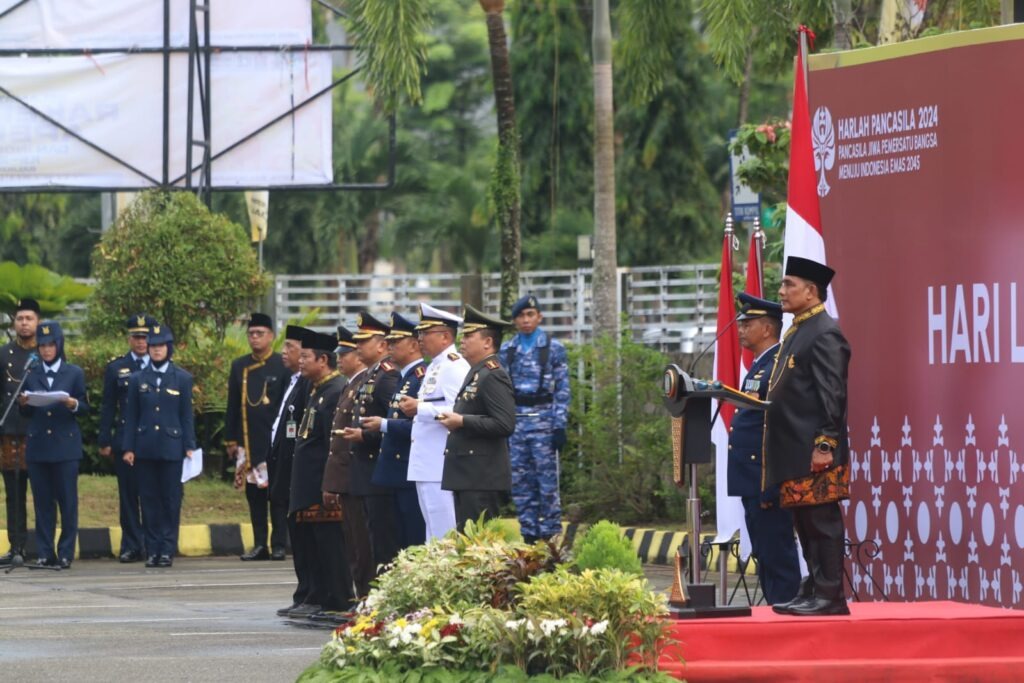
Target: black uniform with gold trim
(14, 361)
(476, 460)
(807, 413)
(253, 386)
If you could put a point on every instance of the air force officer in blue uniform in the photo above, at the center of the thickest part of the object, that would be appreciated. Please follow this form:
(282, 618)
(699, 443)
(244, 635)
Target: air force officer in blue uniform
(159, 434)
(53, 446)
(116, 379)
(770, 527)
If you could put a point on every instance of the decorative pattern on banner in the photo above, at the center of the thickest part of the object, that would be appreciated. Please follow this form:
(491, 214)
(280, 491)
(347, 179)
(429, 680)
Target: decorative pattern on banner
(937, 501)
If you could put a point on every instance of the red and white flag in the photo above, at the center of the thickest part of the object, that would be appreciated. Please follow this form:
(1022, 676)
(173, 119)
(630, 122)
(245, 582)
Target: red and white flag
(804, 236)
(754, 287)
(728, 509)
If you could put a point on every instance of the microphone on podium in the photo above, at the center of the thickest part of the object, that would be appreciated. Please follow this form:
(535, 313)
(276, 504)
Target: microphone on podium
(711, 344)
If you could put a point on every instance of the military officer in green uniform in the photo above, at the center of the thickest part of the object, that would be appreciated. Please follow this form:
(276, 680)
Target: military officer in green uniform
(476, 461)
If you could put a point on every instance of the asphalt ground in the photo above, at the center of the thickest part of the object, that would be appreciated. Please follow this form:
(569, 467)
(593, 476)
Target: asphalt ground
(205, 619)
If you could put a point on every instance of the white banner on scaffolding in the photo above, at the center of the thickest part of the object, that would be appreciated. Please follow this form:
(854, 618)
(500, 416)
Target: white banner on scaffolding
(140, 23)
(114, 102)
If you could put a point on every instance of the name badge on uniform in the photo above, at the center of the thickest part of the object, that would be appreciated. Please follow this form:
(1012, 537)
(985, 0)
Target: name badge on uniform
(290, 427)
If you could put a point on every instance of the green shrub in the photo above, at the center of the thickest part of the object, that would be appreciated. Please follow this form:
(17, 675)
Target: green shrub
(636, 486)
(603, 546)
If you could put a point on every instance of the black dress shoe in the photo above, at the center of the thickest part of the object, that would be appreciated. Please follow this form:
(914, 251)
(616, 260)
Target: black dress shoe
(130, 556)
(152, 561)
(277, 554)
(64, 563)
(330, 617)
(257, 553)
(42, 563)
(164, 561)
(283, 612)
(303, 611)
(820, 607)
(8, 558)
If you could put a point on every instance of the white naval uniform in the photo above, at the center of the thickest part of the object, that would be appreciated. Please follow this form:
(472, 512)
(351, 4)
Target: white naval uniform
(442, 381)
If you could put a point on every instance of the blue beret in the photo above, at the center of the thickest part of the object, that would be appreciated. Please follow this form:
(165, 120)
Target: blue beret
(528, 301)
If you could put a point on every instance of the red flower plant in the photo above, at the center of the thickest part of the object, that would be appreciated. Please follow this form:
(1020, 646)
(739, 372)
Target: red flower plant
(450, 630)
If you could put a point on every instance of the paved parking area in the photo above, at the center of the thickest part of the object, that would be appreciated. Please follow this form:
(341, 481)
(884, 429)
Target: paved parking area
(205, 619)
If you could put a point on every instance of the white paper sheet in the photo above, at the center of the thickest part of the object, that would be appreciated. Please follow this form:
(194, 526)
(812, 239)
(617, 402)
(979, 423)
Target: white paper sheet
(41, 399)
(192, 467)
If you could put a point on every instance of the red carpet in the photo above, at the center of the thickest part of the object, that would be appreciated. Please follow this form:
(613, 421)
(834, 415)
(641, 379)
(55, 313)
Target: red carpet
(919, 641)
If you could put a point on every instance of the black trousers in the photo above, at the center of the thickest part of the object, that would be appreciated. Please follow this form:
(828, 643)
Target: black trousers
(17, 509)
(821, 532)
(321, 547)
(301, 562)
(129, 505)
(259, 504)
(471, 504)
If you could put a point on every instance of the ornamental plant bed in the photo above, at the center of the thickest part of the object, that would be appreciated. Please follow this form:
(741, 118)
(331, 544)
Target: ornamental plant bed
(478, 607)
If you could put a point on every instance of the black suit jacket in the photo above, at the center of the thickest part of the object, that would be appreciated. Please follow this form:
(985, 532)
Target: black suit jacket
(312, 444)
(476, 455)
(279, 464)
(250, 413)
(807, 392)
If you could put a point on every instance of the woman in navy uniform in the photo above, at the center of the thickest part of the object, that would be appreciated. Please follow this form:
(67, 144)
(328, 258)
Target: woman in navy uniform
(53, 446)
(159, 434)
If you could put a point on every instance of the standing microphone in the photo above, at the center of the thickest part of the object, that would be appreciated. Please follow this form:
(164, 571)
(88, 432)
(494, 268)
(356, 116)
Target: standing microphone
(33, 360)
(709, 345)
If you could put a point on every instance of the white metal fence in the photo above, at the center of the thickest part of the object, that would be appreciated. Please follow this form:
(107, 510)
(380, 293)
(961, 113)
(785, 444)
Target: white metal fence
(672, 307)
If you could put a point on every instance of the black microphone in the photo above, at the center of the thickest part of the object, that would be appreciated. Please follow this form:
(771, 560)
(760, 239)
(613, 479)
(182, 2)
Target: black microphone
(710, 345)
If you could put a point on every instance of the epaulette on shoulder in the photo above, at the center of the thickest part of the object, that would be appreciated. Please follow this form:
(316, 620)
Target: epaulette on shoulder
(387, 366)
(114, 358)
(492, 364)
(453, 356)
(420, 371)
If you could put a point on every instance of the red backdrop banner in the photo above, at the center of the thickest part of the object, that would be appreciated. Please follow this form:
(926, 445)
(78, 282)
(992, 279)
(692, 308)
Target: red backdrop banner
(918, 149)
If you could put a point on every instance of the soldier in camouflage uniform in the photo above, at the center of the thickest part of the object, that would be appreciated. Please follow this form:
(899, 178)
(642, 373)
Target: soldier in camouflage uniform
(539, 370)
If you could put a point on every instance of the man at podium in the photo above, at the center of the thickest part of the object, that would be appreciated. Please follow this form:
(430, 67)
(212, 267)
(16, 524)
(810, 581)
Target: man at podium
(770, 527)
(806, 450)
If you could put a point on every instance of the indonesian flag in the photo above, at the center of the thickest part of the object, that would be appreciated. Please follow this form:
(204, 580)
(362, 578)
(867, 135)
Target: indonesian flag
(754, 287)
(804, 236)
(728, 509)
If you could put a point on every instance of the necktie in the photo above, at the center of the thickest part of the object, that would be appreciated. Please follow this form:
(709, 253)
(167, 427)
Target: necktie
(51, 373)
(138, 363)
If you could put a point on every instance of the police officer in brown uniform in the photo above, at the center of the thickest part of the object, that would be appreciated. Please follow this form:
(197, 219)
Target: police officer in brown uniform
(382, 377)
(806, 450)
(337, 480)
(476, 461)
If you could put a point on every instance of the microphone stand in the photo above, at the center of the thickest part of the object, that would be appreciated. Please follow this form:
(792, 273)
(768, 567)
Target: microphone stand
(17, 559)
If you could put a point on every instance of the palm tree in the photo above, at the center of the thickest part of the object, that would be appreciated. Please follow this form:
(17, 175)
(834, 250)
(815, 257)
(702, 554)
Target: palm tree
(505, 180)
(390, 37)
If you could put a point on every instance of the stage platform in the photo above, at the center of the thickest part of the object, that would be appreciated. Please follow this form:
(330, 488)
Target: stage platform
(879, 641)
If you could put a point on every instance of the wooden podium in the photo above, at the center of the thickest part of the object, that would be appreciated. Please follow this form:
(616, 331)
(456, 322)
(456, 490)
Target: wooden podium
(688, 400)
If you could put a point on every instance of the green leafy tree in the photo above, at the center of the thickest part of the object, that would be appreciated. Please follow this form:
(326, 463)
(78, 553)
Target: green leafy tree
(53, 292)
(170, 256)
